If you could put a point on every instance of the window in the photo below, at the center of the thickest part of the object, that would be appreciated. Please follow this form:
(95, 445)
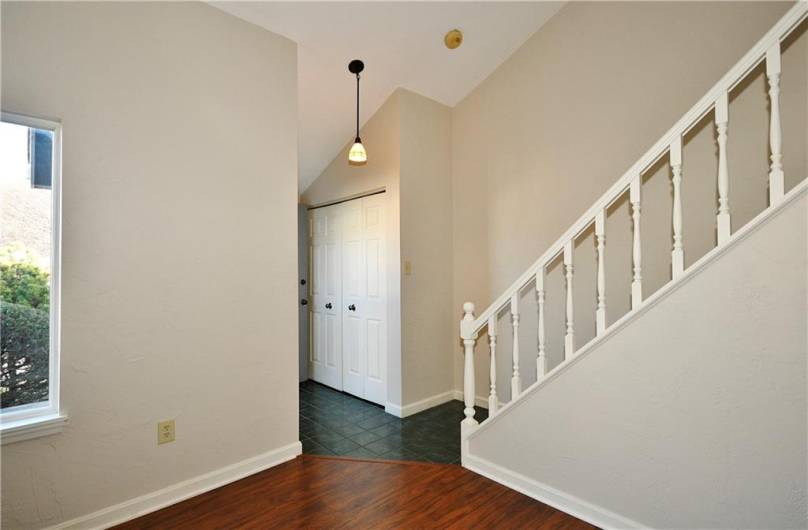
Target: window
(30, 159)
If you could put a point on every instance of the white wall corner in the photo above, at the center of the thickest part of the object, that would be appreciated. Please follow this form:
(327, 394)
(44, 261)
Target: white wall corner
(392, 408)
(402, 411)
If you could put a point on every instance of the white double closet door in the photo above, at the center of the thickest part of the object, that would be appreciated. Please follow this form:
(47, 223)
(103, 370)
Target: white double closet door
(348, 310)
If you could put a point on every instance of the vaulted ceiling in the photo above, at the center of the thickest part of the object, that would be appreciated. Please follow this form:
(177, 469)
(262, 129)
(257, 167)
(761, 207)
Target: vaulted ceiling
(401, 44)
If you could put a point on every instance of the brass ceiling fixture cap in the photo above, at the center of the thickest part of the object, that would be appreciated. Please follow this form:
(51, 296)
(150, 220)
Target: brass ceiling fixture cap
(453, 39)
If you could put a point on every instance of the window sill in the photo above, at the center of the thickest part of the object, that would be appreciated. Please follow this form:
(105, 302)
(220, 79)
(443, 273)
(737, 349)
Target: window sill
(30, 428)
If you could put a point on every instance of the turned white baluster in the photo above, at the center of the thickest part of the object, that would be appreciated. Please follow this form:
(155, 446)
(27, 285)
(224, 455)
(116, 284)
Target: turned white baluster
(569, 337)
(776, 176)
(636, 284)
(516, 380)
(678, 253)
(541, 359)
(469, 337)
(600, 239)
(721, 124)
(493, 401)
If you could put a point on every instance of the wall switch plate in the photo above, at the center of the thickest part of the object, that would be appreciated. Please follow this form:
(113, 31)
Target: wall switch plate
(407, 268)
(165, 432)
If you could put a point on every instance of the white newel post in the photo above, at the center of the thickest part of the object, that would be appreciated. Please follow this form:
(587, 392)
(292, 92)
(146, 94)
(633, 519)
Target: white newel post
(493, 400)
(569, 337)
(721, 123)
(678, 253)
(516, 380)
(600, 240)
(636, 284)
(776, 176)
(469, 337)
(541, 359)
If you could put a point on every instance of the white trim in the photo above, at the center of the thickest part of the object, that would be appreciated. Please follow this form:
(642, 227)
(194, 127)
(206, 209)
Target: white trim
(432, 401)
(392, 408)
(181, 491)
(30, 121)
(27, 429)
(586, 511)
(394, 368)
(347, 198)
(691, 272)
(48, 413)
(402, 411)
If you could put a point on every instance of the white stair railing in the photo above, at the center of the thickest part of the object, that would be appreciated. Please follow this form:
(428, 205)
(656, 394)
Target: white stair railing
(768, 50)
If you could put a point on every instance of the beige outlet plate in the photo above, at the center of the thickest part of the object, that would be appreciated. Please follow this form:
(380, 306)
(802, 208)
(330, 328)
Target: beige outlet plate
(165, 432)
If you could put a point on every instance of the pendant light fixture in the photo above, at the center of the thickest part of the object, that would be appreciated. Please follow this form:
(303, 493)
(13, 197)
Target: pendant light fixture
(357, 156)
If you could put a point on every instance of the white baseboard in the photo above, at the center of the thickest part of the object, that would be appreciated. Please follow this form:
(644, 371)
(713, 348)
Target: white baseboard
(181, 491)
(565, 502)
(428, 403)
(419, 406)
(392, 408)
(479, 401)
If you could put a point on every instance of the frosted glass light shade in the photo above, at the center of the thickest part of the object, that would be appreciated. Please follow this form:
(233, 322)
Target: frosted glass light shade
(357, 155)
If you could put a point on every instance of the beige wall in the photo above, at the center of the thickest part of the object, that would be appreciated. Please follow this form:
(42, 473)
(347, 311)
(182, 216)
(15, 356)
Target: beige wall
(408, 143)
(672, 425)
(426, 242)
(179, 268)
(554, 126)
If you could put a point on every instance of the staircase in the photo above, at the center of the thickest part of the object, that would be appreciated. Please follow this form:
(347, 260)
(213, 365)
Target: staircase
(491, 447)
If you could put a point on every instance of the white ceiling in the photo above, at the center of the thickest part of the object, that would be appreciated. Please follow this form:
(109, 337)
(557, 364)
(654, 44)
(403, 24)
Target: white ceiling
(401, 44)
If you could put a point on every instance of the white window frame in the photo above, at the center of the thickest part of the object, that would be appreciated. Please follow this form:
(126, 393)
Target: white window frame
(42, 419)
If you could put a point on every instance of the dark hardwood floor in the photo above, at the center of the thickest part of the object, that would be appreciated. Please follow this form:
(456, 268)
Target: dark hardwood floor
(333, 492)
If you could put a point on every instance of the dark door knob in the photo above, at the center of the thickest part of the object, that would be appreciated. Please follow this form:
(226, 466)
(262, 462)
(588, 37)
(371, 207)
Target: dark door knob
(351, 307)
(328, 305)
(303, 301)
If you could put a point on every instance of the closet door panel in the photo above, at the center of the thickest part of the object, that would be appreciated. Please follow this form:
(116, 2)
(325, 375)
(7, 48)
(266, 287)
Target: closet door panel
(374, 305)
(325, 358)
(355, 369)
(375, 339)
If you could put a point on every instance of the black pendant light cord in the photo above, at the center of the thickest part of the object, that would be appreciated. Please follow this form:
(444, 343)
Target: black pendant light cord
(357, 107)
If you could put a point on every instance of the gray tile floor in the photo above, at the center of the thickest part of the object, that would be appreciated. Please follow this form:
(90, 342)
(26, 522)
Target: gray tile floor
(333, 423)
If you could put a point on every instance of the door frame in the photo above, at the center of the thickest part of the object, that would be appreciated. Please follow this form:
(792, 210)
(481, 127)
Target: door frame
(303, 250)
(393, 256)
